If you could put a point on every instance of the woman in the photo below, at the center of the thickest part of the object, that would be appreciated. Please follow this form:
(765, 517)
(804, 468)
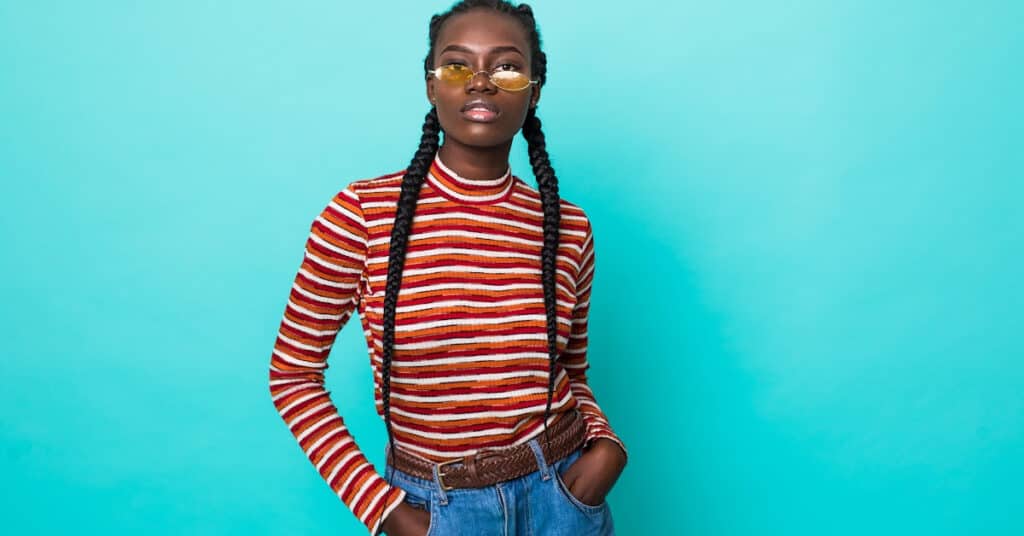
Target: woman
(473, 289)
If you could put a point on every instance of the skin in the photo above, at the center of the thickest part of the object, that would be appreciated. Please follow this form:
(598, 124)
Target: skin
(483, 40)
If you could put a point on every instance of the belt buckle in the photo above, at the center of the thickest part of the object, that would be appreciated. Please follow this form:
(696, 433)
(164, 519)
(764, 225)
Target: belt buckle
(440, 474)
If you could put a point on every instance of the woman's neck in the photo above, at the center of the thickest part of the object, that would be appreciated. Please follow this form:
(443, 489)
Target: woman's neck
(476, 163)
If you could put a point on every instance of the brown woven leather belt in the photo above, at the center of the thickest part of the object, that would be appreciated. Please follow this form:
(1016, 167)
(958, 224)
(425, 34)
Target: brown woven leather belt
(491, 466)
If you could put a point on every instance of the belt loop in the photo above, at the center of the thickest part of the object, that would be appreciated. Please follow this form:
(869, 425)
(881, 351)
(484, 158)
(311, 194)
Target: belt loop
(541, 463)
(438, 487)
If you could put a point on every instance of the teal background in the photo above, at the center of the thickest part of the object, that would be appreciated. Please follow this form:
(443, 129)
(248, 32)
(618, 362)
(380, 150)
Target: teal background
(807, 220)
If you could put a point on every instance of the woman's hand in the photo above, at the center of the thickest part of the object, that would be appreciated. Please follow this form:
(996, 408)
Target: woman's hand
(593, 474)
(406, 520)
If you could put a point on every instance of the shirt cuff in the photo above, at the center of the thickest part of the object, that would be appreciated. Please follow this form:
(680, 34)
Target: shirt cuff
(596, 430)
(395, 497)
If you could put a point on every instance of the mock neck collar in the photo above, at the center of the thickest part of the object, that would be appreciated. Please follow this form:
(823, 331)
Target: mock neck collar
(473, 191)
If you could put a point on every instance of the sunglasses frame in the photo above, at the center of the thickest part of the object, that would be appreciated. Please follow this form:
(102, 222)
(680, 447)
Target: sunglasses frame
(436, 72)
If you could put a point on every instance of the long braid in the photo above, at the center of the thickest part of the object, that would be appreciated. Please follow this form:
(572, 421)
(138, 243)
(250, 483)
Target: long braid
(548, 186)
(412, 182)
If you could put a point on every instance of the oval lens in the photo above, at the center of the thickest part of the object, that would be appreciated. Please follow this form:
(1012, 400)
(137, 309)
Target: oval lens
(510, 80)
(455, 73)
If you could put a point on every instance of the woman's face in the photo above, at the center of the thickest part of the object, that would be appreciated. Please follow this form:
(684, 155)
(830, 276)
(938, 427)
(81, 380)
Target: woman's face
(482, 40)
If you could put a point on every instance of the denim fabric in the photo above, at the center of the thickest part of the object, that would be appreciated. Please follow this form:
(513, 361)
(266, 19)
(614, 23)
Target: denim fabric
(538, 504)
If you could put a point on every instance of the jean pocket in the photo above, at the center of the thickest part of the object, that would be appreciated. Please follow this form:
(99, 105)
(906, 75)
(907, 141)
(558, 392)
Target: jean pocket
(589, 509)
(421, 501)
(417, 502)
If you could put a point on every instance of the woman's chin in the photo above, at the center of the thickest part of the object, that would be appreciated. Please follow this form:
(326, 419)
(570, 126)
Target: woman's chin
(483, 136)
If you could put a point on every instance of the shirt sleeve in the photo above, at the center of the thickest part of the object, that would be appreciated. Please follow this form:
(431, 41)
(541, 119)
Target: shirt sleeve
(574, 358)
(323, 297)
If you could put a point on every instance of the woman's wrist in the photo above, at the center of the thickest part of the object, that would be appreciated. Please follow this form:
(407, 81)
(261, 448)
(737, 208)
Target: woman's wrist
(609, 450)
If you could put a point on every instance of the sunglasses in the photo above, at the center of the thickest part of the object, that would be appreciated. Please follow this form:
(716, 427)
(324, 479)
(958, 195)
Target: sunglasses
(457, 74)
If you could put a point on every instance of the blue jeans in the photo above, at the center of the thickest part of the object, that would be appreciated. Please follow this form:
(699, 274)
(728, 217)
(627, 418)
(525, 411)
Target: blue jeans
(537, 504)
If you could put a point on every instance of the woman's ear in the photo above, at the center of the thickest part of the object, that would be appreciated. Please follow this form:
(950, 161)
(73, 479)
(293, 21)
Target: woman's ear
(535, 97)
(430, 91)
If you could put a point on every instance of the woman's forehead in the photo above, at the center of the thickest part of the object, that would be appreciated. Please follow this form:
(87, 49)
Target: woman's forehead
(481, 30)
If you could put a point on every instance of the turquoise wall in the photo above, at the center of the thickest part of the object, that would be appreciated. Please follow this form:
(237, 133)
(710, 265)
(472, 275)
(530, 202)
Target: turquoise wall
(807, 220)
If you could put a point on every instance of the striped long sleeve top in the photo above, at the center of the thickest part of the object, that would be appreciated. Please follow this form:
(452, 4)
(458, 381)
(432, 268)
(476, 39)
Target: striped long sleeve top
(470, 363)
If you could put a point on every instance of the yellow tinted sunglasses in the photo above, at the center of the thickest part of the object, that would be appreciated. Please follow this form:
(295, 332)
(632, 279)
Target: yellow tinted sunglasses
(458, 74)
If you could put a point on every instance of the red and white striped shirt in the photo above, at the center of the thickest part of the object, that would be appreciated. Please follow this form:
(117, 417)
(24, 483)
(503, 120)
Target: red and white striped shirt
(470, 365)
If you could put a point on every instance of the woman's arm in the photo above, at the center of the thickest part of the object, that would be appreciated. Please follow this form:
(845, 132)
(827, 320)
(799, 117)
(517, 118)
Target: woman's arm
(574, 358)
(592, 476)
(324, 295)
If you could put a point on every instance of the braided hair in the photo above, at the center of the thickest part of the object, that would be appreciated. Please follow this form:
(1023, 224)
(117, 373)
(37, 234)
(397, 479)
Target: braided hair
(416, 174)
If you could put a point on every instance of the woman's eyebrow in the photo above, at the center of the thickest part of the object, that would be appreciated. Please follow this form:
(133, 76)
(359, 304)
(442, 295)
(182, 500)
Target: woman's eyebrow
(493, 50)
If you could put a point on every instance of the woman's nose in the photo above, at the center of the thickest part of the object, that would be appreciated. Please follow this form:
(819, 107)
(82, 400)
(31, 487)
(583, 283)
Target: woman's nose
(481, 81)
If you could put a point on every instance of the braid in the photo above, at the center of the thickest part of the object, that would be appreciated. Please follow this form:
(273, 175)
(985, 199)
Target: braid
(548, 185)
(412, 181)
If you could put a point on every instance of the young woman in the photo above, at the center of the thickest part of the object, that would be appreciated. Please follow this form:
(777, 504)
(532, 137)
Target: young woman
(473, 289)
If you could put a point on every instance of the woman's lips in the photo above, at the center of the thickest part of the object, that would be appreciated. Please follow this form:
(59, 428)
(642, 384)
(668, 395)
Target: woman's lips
(480, 111)
(480, 115)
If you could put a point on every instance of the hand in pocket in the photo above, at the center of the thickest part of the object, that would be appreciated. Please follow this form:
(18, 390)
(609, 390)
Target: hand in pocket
(593, 474)
(407, 520)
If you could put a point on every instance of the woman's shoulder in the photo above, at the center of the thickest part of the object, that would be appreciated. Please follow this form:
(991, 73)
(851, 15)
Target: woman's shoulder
(380, 184)
(358, 194)
(529, 193)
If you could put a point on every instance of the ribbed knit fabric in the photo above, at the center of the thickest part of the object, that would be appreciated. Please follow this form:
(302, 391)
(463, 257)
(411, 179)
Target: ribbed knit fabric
(470, 365)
